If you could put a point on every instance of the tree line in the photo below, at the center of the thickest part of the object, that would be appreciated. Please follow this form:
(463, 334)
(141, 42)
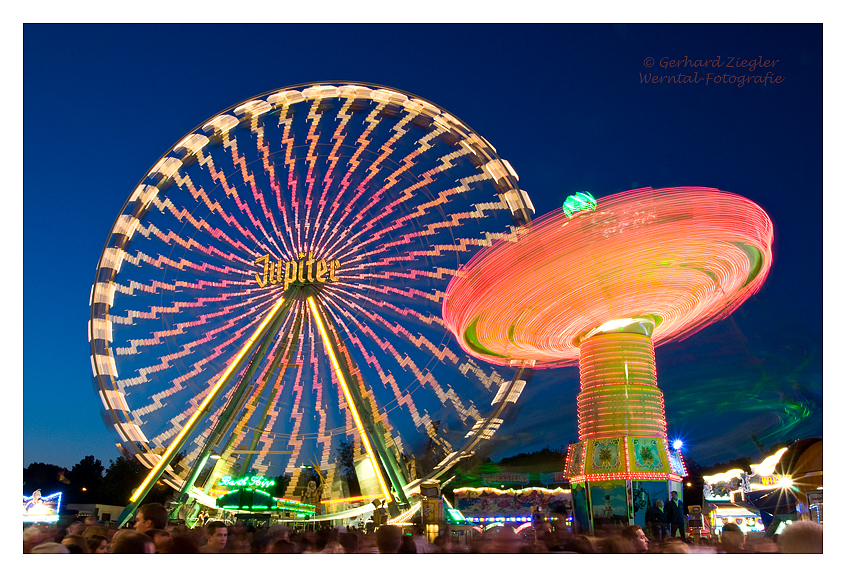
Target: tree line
(89, 481)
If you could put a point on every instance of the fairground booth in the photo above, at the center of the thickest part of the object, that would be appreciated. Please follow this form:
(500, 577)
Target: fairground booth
(248, 499)
(614, 481)
(785, 487)
(518, 509)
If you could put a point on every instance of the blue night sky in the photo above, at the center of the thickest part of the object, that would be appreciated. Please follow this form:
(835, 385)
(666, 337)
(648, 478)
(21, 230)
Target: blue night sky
(564, 104)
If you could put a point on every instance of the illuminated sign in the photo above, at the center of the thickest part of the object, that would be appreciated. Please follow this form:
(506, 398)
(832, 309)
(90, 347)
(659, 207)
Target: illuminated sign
(247, 481)
(38, 508)
(306, 270)
(505, 477)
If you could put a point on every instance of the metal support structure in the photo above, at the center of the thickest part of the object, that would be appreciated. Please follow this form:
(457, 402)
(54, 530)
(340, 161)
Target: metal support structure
(273, 319)
(283, 364)
(381, 458)
(248, 374)
(386, 458)
(239, 397)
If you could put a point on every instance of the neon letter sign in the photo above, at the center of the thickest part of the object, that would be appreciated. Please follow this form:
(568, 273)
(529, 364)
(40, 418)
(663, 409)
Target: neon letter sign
(306, 270)
(252, 481)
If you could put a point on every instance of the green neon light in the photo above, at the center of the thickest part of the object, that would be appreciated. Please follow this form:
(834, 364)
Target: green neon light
(247, 481)
(473, 342)
(579, 202)
(455, 514)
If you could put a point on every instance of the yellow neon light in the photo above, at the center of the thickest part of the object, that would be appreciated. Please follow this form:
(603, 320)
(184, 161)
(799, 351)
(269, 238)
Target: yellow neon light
(359, 426)
(767, 466)
(202, 407)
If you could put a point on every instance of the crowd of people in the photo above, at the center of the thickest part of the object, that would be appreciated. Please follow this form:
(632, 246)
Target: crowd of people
(153, 533)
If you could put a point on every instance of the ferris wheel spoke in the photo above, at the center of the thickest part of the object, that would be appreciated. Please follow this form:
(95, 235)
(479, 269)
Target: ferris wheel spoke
(273, 183)
(166, 206)
(333, 157)
(232, 327)
(424, 377)
(401, 397)
(371, 123)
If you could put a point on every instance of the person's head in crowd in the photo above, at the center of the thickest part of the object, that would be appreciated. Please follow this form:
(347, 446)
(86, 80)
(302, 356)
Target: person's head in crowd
(388, 539)
(33, 536)
(732, 538)
(76, 544)
(349, 541)
(50, 548)
(282, 547)
(635, 534)
(216, 536)
(151, 516)
(616, 545)
(674, 546)
(182, 545)
(803, 537)
(97, 544)
(161, 539)
(132, 542)
(117, 535)
(579, 544)
(91, 531)
(407, 545)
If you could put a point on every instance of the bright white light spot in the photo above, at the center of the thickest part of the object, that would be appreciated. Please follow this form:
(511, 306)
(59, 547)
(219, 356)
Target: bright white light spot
(677, 444)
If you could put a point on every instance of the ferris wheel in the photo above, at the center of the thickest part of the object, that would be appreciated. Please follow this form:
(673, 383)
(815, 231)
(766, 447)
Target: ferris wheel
(271, 292)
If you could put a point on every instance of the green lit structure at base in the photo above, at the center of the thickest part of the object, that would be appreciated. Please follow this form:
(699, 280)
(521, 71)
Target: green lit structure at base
(247, 501)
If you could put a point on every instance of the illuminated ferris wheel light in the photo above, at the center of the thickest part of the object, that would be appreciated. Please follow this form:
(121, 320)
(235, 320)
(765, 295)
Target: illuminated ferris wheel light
(365, 197)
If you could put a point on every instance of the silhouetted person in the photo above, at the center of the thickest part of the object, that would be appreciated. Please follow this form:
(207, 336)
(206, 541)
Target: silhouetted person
(407, 546)
(657, 519)
(283, 547)
(182, 545)
(350, 542)
(676, 515)
(732, 539)
(388, 539)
